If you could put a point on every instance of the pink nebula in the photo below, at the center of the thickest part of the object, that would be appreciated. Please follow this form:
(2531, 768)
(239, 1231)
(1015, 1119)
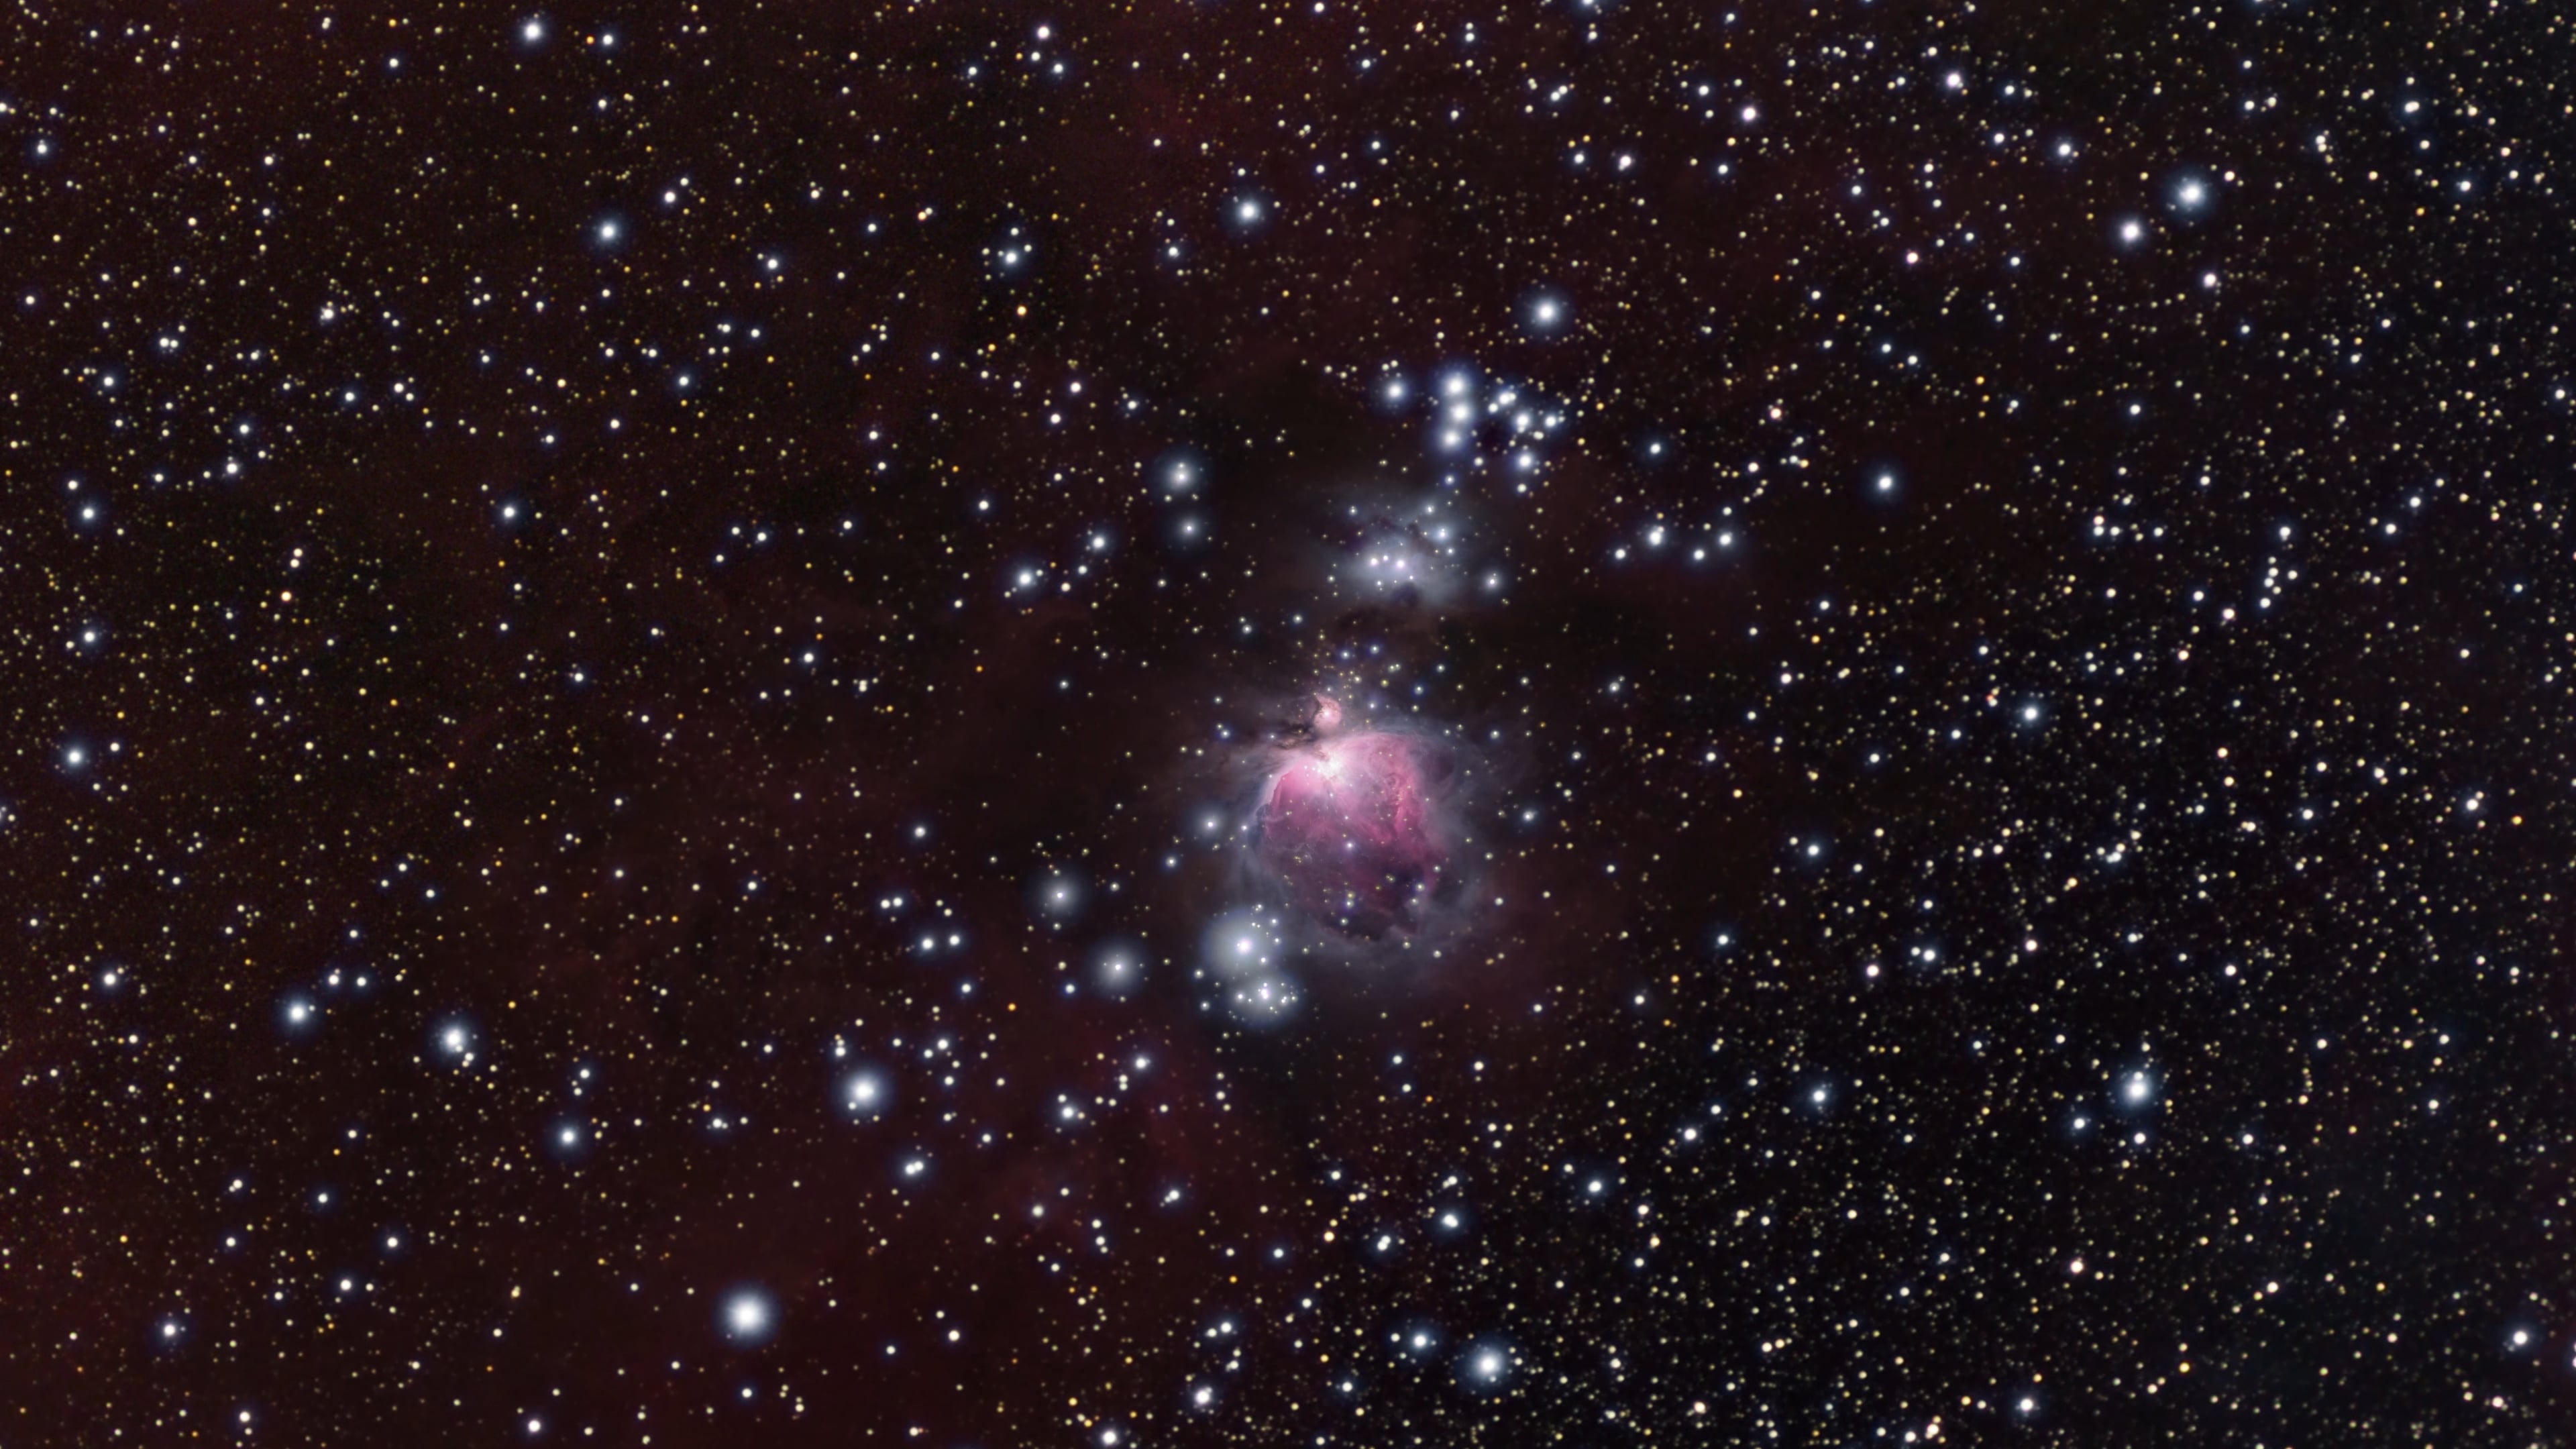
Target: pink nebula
(1347, 828)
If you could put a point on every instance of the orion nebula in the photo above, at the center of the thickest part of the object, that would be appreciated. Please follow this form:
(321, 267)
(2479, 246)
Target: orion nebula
(1346, 826)
(1191, 725)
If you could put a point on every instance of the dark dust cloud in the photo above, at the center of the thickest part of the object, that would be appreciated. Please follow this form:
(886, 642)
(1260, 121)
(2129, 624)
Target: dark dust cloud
(1560, 722)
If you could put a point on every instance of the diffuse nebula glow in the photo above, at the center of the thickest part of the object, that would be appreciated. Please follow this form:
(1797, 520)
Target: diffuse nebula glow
(1346, 826)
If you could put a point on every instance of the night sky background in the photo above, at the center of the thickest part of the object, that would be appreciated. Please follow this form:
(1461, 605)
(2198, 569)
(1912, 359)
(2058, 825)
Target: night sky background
(670, 776)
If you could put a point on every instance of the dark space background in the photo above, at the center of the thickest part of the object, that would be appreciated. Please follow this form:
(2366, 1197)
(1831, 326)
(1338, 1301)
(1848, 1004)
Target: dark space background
(617, 616)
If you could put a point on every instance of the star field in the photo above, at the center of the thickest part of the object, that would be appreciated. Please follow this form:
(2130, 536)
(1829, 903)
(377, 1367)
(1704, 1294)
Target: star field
(1571, 722)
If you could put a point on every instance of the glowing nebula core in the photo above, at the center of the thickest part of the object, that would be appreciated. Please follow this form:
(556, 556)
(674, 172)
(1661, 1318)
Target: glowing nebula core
(1347, 828)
